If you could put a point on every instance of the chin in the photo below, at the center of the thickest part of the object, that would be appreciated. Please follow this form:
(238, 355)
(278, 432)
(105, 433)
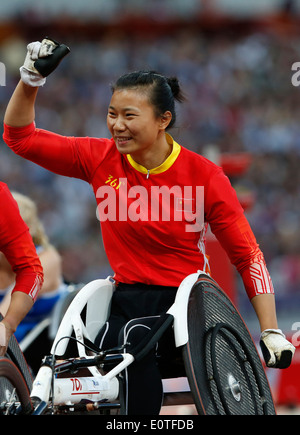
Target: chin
(123, 150)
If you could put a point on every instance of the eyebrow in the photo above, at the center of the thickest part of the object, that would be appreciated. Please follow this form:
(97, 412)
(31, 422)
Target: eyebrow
(125, 108)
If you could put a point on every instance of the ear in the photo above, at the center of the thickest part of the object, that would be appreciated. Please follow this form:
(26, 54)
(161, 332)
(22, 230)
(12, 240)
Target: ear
(165, 120)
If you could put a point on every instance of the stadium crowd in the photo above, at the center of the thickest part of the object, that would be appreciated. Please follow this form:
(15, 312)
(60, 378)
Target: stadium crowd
(239, 99)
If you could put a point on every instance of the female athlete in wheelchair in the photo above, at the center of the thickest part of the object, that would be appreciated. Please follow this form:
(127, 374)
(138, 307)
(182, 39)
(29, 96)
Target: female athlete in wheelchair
(155, 199)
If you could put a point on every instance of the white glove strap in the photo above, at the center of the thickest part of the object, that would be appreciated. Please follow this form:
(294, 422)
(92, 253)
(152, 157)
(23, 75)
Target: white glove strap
(268, 331)
(31, 78)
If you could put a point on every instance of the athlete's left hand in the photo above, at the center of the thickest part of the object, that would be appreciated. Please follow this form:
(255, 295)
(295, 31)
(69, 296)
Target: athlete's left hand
(277, 350)
(4, 338)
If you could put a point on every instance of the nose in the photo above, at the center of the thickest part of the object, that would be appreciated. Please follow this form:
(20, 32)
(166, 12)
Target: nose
(119, 124)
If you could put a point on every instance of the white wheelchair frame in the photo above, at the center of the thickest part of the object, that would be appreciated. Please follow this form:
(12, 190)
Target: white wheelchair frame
(97, 387)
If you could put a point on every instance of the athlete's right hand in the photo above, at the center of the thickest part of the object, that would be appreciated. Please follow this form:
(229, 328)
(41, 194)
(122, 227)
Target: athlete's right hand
(42, 58)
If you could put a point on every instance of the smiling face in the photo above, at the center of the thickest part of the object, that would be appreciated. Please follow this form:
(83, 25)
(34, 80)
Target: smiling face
(135, 127)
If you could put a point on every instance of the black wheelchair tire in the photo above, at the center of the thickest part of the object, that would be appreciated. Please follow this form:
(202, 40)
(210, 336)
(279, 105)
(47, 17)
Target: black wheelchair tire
(12, 383)
(223, 367)
(15, 354)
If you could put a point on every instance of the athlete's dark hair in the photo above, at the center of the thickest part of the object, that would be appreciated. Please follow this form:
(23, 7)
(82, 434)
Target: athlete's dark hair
(163, 91)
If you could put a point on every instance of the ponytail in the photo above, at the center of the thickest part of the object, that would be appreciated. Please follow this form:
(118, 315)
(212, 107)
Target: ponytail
(175, 88)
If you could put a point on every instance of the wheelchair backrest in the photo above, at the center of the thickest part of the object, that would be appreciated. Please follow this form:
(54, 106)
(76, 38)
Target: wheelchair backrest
(98, 309)
(96, 298)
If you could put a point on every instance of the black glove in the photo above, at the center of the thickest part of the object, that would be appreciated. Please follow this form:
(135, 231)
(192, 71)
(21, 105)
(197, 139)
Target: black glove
(42, 58)
(277, 350)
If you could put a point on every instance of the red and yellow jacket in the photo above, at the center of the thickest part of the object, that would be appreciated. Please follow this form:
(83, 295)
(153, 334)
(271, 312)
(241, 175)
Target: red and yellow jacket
(153, 222)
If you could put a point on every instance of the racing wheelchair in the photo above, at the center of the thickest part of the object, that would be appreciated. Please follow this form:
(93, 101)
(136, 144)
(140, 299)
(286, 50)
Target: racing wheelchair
(223, 368)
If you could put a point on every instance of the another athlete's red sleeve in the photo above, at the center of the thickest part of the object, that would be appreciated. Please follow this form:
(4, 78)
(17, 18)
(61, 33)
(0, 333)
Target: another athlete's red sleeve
(17, 245)
(230, 226)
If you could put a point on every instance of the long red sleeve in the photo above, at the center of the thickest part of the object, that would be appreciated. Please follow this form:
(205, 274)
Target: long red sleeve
(241, 246)
(59, 154)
